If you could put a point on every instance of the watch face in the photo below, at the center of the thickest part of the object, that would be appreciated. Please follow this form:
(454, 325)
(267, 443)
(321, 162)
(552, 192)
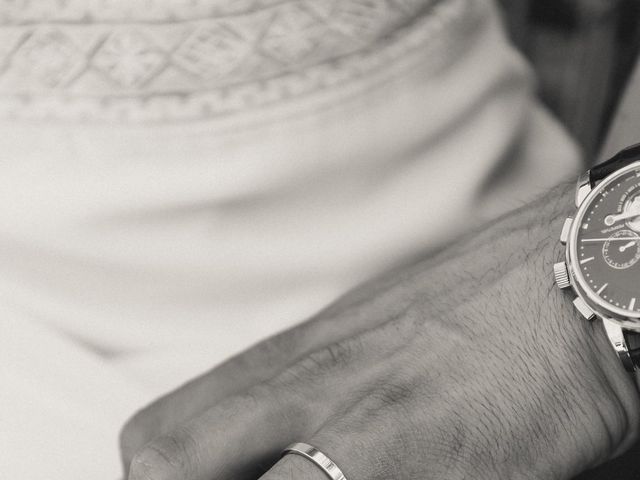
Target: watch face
(606, 244)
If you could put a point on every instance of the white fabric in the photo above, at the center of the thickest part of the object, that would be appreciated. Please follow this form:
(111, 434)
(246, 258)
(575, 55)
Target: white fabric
(134, 255)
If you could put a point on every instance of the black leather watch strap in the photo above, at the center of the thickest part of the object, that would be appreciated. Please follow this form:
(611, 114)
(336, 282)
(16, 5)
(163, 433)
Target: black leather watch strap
(633, 344)
(620, 160)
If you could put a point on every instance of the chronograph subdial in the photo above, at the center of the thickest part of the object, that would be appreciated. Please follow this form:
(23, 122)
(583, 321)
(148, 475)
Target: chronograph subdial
(622, 250)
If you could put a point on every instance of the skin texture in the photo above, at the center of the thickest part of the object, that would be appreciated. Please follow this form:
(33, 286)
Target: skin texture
(470, 364)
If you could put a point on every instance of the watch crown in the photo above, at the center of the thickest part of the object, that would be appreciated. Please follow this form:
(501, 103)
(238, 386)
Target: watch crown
(561, 274)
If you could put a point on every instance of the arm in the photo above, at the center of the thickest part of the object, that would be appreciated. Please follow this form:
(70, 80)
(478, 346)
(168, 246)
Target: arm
(470, 362)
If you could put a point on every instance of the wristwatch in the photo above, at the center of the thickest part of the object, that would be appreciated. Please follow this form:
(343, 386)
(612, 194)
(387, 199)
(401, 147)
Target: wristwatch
(602, 241)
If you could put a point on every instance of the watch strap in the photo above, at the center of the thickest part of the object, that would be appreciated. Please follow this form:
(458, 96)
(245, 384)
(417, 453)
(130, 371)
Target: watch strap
(620, 160)
(633, 344)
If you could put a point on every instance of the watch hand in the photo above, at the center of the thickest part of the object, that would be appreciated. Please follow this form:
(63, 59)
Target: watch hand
(621, 239)
(624, 248)
(613, 219)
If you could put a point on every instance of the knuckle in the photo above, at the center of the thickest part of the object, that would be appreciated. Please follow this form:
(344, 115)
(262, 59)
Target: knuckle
(132, 435)
(285, 402)
(167, 457)
(277, 348)
(397, 395)
(256, 397)
(310, 379)
(146, 466)
(329, 358)
(389, 395)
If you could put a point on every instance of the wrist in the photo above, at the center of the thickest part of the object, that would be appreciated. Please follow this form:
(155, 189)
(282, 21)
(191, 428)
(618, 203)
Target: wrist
(570, 403)
(607, 422)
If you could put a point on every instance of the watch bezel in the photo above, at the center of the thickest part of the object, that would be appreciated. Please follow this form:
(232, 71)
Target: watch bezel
(627, 319)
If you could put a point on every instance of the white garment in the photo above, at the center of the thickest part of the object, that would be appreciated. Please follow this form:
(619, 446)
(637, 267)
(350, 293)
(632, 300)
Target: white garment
(161, 211)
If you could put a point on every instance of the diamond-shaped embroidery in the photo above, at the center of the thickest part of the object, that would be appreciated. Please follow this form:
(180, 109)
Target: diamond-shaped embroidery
(293, 34)
(129, 58)
(49, 58)
(212, 52)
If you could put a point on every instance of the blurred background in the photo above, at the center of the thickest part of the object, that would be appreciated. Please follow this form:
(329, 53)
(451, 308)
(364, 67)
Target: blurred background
(583, 52)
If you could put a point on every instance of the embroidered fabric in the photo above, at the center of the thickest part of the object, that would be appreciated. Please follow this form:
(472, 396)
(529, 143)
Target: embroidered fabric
(77, 60)
(24, 11)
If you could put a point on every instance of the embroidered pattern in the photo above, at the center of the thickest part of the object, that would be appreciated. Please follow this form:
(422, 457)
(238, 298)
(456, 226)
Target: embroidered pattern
(212, 51)
(49, 57)
(294, 34)
(191, 59)
(14, 12)
(129, 58)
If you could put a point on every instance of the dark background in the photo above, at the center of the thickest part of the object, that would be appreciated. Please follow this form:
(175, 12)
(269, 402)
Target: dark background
(583, 52)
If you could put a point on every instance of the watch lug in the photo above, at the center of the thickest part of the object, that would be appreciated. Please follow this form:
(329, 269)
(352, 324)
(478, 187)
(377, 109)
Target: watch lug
(619, 343)
(566, 229)
(584, 187)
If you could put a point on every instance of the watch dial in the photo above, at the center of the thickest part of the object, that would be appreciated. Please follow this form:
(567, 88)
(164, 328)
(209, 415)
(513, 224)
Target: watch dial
(608, 243)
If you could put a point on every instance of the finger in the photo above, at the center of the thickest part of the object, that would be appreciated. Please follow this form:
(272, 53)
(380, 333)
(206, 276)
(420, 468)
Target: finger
(235, 376)
(227, 441)
(296, 467)
(376, 442)
(354, 444)
(231, 439)
(292, 467)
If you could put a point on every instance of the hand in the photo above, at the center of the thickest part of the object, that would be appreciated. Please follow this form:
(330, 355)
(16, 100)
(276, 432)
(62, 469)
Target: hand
(631, 240)
(626, 247)
(468, 365)
(613, 219)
